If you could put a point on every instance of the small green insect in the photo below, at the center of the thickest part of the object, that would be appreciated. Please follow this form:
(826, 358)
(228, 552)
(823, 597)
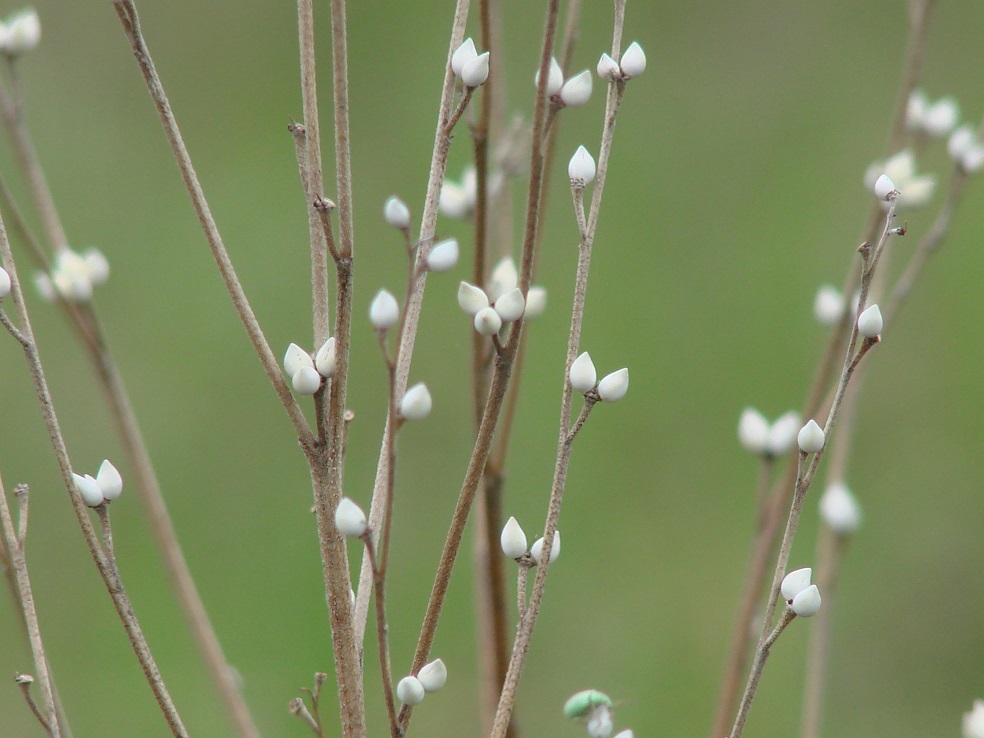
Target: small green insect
(582, 703)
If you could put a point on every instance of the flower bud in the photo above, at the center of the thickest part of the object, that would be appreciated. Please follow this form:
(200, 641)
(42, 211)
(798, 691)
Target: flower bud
(397, 213)
(462, 55)
(4, 283)
(384, 312)
(840, 510)
(608, 68)
(295, 358)
(88, 489)
(513, 539)
(454, 201)
(810, 437)
(23, 33)
(613, 387)
(511, 305)
(828, 305)
(443, 255)
(870, 322)
(476, 71)
(782, 434)
(433, 676)
(555, 78)
(581, 704)
(807, 603)
(349, 519)
(409, 690)
(753, 431)
(582, 375)
(577, 90)
(416, 403)
(633, 61)
(973, 721)
(504, 277)
(795, 582)
(536, 302)
(471, 299)
(109, 480)
(487, 321)
(536, 550)
(324, 360)
(581, 169)
(885, 188)
(306, 380)
(941, 117)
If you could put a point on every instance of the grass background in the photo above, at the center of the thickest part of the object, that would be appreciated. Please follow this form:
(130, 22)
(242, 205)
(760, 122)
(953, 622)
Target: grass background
(734, 191)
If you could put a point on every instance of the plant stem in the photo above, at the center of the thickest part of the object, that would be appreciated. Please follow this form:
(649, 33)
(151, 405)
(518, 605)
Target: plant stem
(382, 635)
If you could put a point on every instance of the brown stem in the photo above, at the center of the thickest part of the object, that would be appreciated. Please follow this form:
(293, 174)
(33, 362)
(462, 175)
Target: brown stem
(382, 636)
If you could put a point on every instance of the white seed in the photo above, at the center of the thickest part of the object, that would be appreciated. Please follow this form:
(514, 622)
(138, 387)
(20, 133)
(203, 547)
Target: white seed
(583, 376)
(410, 691)
(462, 55)
(306, 380)
(795, 582)
(396, 212)
(633, 61)
(476, 71)
(513, 539)
(870, 322)
(511, 305)
(487, 321)
(577, 90)
(109, 480)
(810, 438)
(471, 299)
(416, 403)
(384, 312)
(613, 387)
(88, 488)
(349, 519)
(295, 358)
(807, 603)
(536, 550)
(443, 255)
(433, 676)
(324, 360)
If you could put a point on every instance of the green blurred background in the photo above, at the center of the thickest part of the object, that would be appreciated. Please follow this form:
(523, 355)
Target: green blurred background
(734, 191)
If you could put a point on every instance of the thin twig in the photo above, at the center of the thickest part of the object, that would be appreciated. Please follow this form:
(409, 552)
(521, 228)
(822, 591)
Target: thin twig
(24, 681)
(382, 634)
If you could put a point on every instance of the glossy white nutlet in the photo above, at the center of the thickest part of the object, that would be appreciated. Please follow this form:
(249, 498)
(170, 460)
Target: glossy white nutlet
(513, 539)
(396, 212)
(97, 265)
(384, 311)
(753, 431)
(583, 376)
(462, 55)
(23, 32)
(828, 305)
(581, 168)
(633, 62)
(306, 380)
(88, 488)
(349, 519)
(511, 305)
(443, 255)
(555, 78)
(476, 71)
(870, 322)
(810, 438)
(807, 603)
(472, 299)
(410, 691)
(577, 90)
(613, 387)
(109, 480)
(782, 433)
(295, 358)
(941, 117)
(840, 510)
(324, 360)
(487, 321)
(608, 68)
(536, 303)
(4, 283)
(973, 721)
(885, 188)
(795, 582)
(433, 676)
(416, 403)
(504, 277)
(536, 550)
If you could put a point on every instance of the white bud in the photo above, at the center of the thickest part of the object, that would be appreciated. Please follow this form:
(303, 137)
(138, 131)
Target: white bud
(536, 550)
(384, 312)
(795, 582)
(443, 255)
(577, 90)
(915, 112)
(476, 71)
(960, 142)
(410, 691)
(600, 723)
(973, 160)
(810, 437)
(433, 676)
(973, 721)
(416, 403)
(608, 68)
(454, 201)
(633, 61)
(472, 299)
(870, 322)
(828, 305)
(306, 380)
(885, 188)
(295, 358)
(941, 117)
(487, 321)
(513, 539)
(840, 509)
(753, 431)
(536, 302)
(109, 480)
(89, 489)
(4, 283)
(625, 734)
(613, 387)
(555, 78)
(511, 305)
(396, 212)
(807, 603)
(462, 55)
(97, 265)
(349, 519)
(581, 168)
(582, 375)
(504, 277)
(23, 32)
(324, 360)
(782, 434)
(42, 282)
